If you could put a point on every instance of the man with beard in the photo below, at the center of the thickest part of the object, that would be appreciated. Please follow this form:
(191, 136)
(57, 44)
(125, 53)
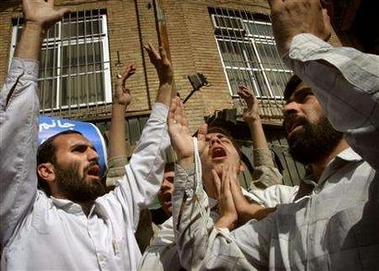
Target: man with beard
(74, 225)
(336, 226)
(311, 138)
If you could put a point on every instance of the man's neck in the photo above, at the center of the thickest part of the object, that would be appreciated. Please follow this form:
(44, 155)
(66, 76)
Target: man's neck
(86, 207)
(319, 166)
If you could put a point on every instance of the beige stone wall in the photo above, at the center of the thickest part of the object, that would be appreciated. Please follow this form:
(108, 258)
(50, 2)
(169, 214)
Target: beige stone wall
(191, 44)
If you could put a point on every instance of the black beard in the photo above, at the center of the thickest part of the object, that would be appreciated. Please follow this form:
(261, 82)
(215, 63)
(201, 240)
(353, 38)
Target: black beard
(76, 188)
(315, 142)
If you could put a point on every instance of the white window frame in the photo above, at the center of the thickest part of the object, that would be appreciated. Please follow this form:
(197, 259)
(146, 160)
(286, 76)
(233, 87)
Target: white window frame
(60, 43)
(251, 39)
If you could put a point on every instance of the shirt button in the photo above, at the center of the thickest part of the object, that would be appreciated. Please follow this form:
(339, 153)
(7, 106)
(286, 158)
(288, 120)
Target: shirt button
(101, 257)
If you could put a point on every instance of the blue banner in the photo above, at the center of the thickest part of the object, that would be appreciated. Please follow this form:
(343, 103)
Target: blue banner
(49, 126)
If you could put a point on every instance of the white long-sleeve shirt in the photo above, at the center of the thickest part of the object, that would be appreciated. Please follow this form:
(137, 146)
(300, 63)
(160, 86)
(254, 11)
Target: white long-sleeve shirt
(336, 226)
(162, 253)
(46, 233)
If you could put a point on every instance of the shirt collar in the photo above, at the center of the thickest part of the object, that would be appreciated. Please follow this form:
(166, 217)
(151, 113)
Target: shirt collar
(67, 205)
(75, 208)
(349, 155)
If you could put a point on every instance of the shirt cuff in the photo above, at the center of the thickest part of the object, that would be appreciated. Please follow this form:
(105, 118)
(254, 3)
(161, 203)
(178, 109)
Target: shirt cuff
(21, 66)
(159, 111)
(116, 166)
(184, 180)
(263, 157)
(306, 47)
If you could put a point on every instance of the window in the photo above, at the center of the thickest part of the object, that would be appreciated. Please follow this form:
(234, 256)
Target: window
(74, 61)
(247, 48)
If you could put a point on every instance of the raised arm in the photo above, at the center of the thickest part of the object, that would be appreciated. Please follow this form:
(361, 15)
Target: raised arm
(290, 18)
(117, 158)
(191, 217)
(144, 173)
(39, 17)
(19, 106)
(165, 73)
(265, 172)
(344, 80)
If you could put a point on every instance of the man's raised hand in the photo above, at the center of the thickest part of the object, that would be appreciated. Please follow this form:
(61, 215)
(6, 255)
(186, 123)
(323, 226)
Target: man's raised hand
(290, 18)
(41, 13)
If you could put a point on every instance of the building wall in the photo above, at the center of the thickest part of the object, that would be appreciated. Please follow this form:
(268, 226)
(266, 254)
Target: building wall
(131, 24)
(190, 42)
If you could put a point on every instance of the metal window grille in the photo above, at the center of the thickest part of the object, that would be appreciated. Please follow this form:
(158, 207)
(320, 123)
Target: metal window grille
(74, 62)
(247, 48)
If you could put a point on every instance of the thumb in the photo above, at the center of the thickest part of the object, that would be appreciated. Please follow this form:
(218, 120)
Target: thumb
(63, 11)
(202, 132)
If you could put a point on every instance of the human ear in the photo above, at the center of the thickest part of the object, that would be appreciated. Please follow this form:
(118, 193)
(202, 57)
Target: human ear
(46, 171)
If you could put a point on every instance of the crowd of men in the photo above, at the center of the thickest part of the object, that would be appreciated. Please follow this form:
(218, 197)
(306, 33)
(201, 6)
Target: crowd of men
(57, 213)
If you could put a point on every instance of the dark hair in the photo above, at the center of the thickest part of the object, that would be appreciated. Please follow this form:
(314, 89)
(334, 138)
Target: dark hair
(291, 85)
(46, 154)
(169, 167)
(217, 129)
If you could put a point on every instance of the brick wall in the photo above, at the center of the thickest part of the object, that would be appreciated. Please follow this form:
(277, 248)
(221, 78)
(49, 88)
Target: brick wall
(130, 25)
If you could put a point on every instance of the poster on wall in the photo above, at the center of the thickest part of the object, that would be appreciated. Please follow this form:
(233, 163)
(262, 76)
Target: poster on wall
(49, 126)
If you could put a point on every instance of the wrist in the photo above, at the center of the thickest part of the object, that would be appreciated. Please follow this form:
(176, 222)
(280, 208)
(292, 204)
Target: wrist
(186, 161)
(228, 222)
(254, 121)
(34, 27)
(117, 105)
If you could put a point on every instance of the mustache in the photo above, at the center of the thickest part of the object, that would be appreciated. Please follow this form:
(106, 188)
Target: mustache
(291, 119)
(92, 163)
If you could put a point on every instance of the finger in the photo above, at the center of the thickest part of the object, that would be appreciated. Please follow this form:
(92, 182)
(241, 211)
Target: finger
(162, 52)
(216, 182)
(180, 113)
(129, 71)
(247, 91)
(225, 184)
(242, 94)
(235, 186)
(63, 11)
(118, 81)
(183, 119)
(247, 95)
(153, 54)
(202, 132)
(175, 111)
(226, 194)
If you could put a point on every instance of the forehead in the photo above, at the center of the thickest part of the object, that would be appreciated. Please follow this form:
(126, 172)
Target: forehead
(301, 87)
(209, 135)
(70, 140)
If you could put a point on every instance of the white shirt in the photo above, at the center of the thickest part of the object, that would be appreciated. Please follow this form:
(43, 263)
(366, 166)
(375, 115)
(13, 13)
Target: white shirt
(162, 253)
(45, 233)
(334, 228)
